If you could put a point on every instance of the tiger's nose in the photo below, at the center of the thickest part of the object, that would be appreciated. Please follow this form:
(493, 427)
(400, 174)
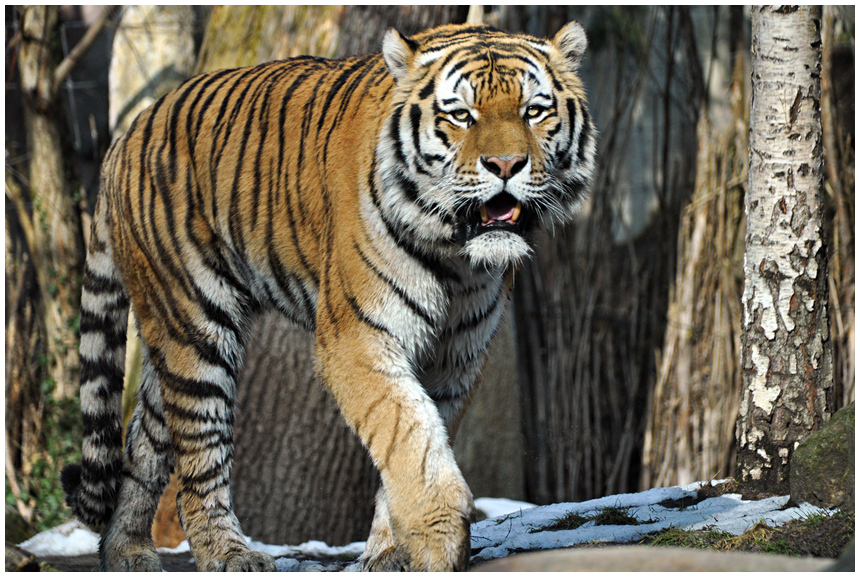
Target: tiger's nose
(504, 167)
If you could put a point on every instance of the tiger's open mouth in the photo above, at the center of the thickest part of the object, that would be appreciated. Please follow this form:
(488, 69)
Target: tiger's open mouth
(503, 212)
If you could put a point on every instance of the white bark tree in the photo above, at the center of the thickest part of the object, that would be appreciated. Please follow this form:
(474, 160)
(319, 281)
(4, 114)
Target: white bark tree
(786, 351)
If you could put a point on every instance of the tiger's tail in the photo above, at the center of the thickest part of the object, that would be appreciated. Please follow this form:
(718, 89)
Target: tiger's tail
(91, 487)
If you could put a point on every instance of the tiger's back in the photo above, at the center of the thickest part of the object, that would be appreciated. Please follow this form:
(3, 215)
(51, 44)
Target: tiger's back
(232, 172)
(382, 201)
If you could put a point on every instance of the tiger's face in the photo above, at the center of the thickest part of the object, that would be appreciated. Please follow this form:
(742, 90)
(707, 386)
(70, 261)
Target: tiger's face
(489, 140)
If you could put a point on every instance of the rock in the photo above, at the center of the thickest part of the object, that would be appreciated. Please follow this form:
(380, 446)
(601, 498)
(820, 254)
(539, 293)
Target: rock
(822, 467)
(644, 558)
(18, 560)
(845, 563)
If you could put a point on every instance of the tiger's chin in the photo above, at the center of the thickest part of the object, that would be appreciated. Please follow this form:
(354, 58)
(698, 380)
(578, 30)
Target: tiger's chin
(496, 248)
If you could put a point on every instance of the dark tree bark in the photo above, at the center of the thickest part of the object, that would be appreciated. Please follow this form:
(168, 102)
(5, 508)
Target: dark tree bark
(300, 472)
(786, 350)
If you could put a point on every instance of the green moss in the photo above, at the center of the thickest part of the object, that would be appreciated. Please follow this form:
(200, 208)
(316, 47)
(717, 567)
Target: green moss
(565, 523)
(675, 537)
(615, 516)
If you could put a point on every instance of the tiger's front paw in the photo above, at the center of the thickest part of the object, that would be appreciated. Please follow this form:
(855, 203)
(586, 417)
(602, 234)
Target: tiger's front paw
(436, 539)
(239, 561)
(389, 559)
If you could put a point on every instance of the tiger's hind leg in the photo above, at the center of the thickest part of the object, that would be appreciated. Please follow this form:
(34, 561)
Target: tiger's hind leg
(201, 431)
(126, 543)
(196, 371)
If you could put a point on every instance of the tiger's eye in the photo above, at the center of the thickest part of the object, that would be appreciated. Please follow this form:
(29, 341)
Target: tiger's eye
(461, 114)
(534, 111)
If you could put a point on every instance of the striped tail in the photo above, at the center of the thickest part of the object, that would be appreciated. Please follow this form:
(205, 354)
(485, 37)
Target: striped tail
(92, 486)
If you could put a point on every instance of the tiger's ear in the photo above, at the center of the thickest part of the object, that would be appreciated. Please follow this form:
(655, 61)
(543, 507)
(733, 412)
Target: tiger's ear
(571, 42)
(398, 51)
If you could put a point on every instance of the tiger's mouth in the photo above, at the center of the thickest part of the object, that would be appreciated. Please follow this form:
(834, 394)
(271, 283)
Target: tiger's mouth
(503, 212)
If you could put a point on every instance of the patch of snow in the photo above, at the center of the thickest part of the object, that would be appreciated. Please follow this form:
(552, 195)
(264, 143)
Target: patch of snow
(309, 549)
(497, 507)
(67, 540)
(494, 538)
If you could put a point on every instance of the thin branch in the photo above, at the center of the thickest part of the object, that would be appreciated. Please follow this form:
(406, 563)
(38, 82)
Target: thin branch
(24, 509)
(16, 195)
(71, 60)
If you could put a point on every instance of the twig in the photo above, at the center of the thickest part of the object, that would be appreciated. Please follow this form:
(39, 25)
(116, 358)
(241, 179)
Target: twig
(71, 60)
(14, 193)
(25, 510)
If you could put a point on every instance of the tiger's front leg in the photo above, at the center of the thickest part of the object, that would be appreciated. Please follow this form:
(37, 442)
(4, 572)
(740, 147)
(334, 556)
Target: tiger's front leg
(424, 494)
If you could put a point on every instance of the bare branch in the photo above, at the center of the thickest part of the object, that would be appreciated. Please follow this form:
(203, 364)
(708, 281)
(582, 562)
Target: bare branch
(16, 195)
(71, 60)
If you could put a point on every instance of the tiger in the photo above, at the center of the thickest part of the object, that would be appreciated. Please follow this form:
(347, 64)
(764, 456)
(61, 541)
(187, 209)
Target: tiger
(383, 202)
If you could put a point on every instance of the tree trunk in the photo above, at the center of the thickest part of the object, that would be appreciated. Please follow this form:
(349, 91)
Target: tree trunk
(300, 472)
(58, 250)
(786, 349)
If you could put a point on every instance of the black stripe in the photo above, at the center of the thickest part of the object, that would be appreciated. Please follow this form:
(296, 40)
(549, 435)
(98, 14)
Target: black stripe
(364, 318)
(210, 474)
(410, 190)
(158, 445)
(584, 135)
(186, 386)
(97, 284)
(192, 134)
(335, 86)
(102, 367)
(173, 123)
(413, 306)
(99, 472)
(428, 89)
(415, 120)
(476, 318)
(394, 133)
(93, 323)
(151, 410)
(196, 418)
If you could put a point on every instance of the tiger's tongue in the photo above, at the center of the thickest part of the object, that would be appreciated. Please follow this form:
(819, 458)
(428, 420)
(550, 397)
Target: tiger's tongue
(500, 212)
(500, 209)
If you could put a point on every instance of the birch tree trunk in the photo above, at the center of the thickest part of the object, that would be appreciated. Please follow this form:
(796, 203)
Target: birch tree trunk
(786, 351)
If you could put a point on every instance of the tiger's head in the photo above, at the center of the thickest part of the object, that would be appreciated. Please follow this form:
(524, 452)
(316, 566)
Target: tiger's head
(489, 138)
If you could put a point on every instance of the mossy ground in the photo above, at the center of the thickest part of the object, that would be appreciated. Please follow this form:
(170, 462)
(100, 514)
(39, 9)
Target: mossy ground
(817, 536)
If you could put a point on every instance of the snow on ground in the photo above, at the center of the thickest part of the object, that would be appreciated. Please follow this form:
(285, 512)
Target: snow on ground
(512, 527)
(653, 509)
(68, 540)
